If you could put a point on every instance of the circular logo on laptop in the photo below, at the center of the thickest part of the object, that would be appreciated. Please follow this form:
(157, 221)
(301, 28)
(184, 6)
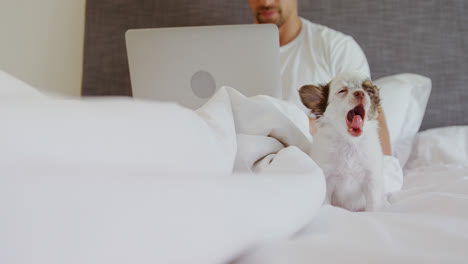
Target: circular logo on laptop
(203, 84)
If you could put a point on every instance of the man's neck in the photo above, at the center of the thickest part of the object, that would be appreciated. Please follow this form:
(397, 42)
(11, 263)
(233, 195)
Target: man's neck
(290, 30)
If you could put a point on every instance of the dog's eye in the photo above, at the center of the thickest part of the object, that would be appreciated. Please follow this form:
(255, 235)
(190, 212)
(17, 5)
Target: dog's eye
(370, 91)
(343, 91)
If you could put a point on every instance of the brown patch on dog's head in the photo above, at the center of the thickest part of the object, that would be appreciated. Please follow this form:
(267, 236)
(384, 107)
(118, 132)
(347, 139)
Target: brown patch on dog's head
(374, 93)
(315, 98)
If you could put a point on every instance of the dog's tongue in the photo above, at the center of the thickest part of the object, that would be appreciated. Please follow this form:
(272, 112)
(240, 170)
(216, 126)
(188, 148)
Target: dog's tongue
(357, 122)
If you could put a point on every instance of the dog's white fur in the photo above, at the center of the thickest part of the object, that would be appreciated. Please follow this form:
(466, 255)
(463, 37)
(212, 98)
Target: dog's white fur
(352, 163)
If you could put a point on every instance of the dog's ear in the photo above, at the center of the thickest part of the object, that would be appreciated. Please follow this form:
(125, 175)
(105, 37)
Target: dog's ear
(315, 98)
(374, 94)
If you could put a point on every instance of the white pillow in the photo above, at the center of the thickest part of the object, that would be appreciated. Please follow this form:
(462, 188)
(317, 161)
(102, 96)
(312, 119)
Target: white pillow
(404, 99)
(440, 146)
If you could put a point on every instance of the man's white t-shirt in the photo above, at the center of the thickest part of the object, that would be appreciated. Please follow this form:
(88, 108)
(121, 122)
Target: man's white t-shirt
(315, 56)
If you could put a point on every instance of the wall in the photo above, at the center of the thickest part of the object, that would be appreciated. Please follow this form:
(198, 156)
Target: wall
(42, 43)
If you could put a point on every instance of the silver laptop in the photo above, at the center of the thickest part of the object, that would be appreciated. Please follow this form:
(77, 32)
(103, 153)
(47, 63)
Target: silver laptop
(188, 65)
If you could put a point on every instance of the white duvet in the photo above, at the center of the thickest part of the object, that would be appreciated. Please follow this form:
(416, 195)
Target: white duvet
(118, 180)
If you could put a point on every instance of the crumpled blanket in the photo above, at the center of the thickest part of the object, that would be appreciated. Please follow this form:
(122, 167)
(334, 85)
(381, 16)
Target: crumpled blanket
(118, 180)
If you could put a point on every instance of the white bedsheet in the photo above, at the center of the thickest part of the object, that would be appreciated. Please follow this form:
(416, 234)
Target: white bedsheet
(426, 223)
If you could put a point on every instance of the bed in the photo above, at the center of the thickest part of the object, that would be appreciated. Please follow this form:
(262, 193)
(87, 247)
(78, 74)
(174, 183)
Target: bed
(110, 179)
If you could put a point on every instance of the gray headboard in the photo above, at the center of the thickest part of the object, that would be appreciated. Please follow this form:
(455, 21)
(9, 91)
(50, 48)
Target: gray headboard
(429, 37)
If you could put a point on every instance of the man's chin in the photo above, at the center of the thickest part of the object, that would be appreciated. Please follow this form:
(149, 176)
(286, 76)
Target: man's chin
(269, 20)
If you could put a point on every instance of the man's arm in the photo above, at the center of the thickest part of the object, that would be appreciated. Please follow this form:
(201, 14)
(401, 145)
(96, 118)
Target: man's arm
(383, 134)
(312, 126)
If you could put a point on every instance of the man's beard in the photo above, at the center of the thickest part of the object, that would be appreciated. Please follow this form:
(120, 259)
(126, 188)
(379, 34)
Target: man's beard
(278, 21)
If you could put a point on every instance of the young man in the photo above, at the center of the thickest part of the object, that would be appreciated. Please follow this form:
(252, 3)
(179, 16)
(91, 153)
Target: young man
(311, 53)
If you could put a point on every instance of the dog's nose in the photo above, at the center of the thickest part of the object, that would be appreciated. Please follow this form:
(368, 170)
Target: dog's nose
(359, 94)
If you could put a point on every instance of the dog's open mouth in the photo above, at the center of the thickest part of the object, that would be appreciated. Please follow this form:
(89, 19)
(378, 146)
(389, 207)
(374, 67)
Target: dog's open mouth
(355, 120)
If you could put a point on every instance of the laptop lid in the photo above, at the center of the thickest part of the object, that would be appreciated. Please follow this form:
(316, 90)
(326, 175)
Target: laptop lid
(188, 65)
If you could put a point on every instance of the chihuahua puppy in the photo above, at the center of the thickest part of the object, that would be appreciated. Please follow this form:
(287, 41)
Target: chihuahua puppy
(346, 145)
